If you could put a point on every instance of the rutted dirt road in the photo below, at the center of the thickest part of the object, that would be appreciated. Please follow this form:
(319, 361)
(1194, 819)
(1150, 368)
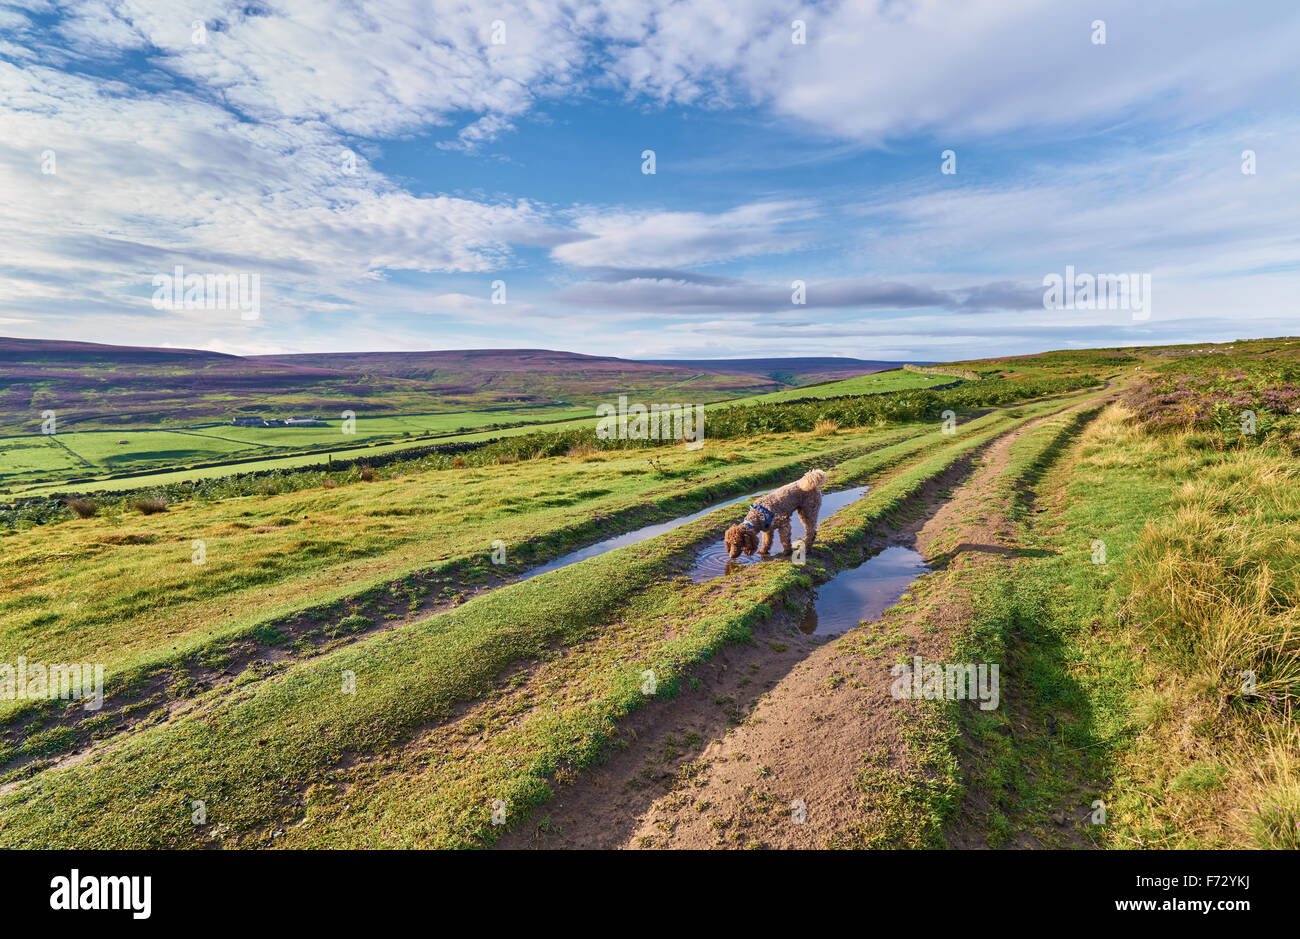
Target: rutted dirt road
(779, 729)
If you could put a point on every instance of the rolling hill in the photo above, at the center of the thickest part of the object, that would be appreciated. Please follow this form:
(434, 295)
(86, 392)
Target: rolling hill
(91, 385)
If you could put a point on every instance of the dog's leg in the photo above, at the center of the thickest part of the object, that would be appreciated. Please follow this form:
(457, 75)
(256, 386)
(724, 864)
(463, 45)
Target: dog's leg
(766, 547)
(808, 515)
(809, 509)
(783, 526)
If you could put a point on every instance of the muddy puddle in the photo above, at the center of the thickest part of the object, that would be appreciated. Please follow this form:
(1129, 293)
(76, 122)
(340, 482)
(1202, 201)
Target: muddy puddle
(863, 593)
(631, 537)
(712, 561)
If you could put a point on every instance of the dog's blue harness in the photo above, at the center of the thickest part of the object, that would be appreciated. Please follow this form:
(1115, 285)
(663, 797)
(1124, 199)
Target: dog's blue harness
(767, 514)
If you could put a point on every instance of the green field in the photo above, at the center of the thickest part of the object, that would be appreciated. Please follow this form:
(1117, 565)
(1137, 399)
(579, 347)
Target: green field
(143, 449)
(371, 428)
(351, 662)
(875, 383)
(26, 470)
(38, 457)
(34, 463)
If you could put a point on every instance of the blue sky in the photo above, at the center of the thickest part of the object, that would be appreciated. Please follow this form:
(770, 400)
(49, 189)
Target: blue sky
(225, 149)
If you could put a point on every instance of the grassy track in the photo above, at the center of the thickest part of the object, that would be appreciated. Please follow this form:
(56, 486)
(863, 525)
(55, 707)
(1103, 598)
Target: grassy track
(327, 596)
(251, 757)
(908, 800)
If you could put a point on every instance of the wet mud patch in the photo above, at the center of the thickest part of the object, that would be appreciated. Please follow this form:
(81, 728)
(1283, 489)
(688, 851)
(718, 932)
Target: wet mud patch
(861, 594)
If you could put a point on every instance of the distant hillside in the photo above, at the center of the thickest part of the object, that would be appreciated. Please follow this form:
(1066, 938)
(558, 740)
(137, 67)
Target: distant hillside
(89, 384)
(555, 376)
(93, 385)
(792, 371)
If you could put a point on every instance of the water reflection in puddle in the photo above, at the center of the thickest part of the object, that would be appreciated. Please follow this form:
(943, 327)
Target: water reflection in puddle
(862, 593)
(631, 537)
(713, 561)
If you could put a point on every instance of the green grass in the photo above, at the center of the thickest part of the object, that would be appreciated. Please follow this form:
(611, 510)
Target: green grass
(36, 455)
(253, 755)
(1122, 677)
(147, 448)
(1045, 749)
(820, 415)
(950, 748)
(50, 469)
(388, 427)
(875, 383)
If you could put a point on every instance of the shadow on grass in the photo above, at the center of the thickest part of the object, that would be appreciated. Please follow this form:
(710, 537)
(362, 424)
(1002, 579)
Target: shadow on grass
(1035, 764)
(941, 561)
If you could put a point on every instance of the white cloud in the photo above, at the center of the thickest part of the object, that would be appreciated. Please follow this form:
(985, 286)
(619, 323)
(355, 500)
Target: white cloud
(1187, 211)
(625, 239)
(869, 71)
(373, 69)
(143, 182)
(960, 69)
(471, 138)
(666, 294)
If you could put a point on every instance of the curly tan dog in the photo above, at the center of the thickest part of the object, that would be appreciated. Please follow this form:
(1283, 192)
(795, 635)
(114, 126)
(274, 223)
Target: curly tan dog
(772, 513)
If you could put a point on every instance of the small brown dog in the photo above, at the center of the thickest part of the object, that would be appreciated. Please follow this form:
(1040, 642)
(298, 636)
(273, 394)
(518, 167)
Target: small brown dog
(772, 513)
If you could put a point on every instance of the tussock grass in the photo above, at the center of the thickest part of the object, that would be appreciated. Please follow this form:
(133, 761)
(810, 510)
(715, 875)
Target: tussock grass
(149, 505)
(1215, 595)
(582, 451)
(1272, 775)
(1125, 679)
(83, 508)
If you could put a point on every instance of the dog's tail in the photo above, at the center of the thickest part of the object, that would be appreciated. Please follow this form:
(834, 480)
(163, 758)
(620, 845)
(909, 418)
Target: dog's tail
(813, 479)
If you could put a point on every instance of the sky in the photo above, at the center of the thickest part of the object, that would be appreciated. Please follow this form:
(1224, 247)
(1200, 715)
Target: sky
(882, 179)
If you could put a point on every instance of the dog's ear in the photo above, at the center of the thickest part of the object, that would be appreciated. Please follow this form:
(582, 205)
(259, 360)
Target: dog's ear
(740, 539)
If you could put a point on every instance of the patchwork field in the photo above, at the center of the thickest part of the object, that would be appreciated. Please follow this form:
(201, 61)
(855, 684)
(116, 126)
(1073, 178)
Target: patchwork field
(125, 411)
(84, 460)
(350, 656)
(88, 459)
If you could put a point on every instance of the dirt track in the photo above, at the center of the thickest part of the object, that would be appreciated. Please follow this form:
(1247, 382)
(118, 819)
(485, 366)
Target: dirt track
(788, 719)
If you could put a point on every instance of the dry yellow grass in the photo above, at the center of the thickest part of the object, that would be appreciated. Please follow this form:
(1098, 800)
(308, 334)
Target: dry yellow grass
(582, 451)
(1216, 591)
